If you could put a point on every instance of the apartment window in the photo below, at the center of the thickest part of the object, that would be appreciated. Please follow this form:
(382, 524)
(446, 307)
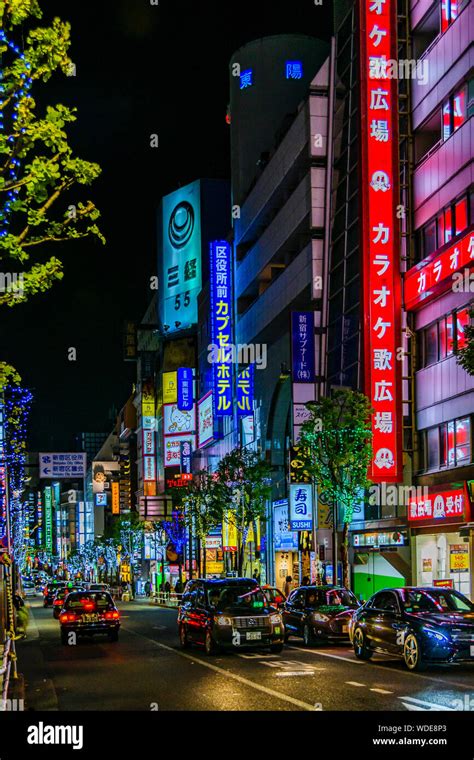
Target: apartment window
(444, 337)
(454, 112)
(462, 321)
(449, 12)
(448, 444)
(449, 222)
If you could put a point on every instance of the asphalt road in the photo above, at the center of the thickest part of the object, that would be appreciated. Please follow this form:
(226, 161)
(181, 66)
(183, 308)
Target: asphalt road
(146, 670)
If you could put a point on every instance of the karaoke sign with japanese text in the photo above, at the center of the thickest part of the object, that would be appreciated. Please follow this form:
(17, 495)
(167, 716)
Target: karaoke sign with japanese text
(221, 326)
(381, 278)
(435, 275)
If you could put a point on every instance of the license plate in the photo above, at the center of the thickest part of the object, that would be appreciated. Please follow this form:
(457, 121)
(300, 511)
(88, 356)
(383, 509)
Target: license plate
(472, 650)
(253, 635)
(90, 618)
(345, 629)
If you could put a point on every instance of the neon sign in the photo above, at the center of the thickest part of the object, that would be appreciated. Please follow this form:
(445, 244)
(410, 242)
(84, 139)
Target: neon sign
(245, 391)
(221, 326)
(435, 274)
(379, 243)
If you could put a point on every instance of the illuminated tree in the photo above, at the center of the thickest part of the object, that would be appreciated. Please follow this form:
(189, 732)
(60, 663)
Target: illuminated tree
(39, 173)
(335, 445)
(247, 478)
(465, 355)
(204, 507)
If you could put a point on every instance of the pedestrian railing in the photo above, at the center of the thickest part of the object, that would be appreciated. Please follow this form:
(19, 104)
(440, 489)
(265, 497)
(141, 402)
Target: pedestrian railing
(166, 598)
(9, 658)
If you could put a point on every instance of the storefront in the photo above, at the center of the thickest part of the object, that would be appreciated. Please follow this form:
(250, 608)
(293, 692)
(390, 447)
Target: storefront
(381, 559)
(442, 538)
(285, 544)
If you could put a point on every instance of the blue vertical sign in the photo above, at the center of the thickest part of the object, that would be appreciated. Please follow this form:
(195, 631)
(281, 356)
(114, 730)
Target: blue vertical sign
(245, 391)
(185, 456)
(302, 345)
(185, 389)
(301, 506)
(221, 327)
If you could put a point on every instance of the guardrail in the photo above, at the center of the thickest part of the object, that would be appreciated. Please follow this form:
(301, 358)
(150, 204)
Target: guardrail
(166, 599)
(9, 657)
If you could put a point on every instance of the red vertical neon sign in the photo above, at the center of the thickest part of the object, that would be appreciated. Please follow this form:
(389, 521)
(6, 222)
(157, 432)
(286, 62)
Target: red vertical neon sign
(379, 242)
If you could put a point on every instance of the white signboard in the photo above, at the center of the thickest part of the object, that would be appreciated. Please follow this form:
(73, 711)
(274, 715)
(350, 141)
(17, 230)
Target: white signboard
(69, 465)
(205, 420)
(301, 506)
(176, 422)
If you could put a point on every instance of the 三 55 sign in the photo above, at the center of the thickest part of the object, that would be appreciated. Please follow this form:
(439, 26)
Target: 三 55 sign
(379, 234)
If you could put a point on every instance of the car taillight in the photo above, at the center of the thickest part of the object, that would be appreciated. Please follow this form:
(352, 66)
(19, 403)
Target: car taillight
(57, 602)
(112, 615)
(67, 617)
(45, 592)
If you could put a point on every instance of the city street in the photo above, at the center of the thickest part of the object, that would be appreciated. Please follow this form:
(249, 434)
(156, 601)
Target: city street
(146, 670)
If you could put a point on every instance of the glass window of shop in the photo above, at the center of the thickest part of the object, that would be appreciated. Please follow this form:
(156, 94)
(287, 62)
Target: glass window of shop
(446, 225)
(447, 445)
(443, 557)
(444, 337)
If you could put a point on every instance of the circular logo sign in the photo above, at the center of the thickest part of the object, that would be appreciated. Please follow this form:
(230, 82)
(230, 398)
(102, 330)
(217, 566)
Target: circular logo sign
(181, 225)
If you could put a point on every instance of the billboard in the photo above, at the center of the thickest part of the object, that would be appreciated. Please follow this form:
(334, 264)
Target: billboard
(222, 327)
(245, 391)
(302, 346)
(180, 258)
(48, 518)
(284, 539)
(185, 389)
(301, 506)
(172, 448)
(177, 422)
(67, 465)
(170, 387)
(205, 420)
(102, 475)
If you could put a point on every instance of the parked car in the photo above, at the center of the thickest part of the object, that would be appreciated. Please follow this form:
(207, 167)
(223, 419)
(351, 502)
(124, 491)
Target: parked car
(419, 624)
(319, 613)
(87, 613)
(228, 613)
(99, 587)
(60, 596)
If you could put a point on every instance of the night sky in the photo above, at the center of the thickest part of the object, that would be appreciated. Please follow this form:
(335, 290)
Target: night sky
(141, 70)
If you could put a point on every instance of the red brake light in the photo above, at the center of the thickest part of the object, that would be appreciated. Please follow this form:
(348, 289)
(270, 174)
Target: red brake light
(58, 601)
(112, 615)
(88, 606)
(67, 617)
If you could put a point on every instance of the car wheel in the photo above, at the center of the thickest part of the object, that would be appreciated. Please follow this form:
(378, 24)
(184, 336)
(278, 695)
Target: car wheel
(412, 656)
(276, 648)
(113, 636)
(361, 650)
(183, 637)
(210, 644)
(308, 637)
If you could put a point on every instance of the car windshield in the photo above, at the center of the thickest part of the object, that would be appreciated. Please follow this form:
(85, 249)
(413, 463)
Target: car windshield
(242, 597)
(429, 600)
(334, 597)
(89, 601)
(273, 594)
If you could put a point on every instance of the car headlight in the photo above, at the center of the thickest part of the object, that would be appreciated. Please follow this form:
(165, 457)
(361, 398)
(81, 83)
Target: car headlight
(319, 617)
(436, 634)
(223, 620)
(275, 619)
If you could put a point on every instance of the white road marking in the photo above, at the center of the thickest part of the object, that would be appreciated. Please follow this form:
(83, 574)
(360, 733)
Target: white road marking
(226, 673)
(326, 654)
(290, 673)
(421, 705)
(355, 683)
(382, 691)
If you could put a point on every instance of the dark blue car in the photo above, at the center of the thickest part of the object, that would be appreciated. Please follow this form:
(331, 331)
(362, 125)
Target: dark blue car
(421, 625)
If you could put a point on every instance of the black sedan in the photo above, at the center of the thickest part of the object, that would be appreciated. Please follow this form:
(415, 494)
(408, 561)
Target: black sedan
(86, 613)
(319, 613)
(49, 591)
(230, 613)
(60, 596)
(421, 625)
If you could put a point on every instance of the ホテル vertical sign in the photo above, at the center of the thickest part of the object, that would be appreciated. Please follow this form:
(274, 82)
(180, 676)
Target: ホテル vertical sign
(379, 229)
